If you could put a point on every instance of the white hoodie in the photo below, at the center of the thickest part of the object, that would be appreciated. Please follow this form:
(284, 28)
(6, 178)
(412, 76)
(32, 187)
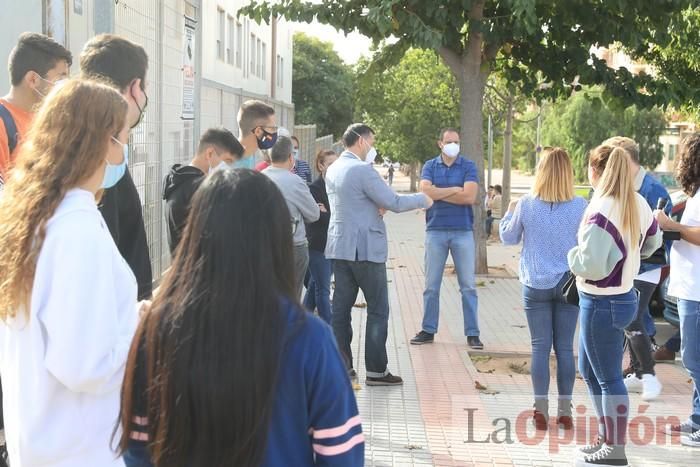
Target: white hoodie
(62, 368)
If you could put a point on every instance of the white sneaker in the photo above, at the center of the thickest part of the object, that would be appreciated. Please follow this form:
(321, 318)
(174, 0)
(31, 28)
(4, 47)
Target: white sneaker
(651, 387)
(633, 383)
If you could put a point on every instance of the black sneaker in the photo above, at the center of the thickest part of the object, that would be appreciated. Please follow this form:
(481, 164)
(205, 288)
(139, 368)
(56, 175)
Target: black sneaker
(692, 440)
(591, 448)
(386, 380)
(474, 343)
(613, 456)
(423, 338)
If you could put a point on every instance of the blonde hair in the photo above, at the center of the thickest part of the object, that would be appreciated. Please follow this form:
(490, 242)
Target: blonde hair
(628, 144)
(615, 169)
(554, 181)
(67, 143)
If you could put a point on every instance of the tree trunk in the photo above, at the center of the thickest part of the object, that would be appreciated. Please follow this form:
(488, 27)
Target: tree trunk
(471, 122)
(507, 154)
(415, 167)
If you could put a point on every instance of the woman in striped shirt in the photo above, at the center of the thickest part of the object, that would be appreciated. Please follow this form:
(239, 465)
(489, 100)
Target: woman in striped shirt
(227, 368)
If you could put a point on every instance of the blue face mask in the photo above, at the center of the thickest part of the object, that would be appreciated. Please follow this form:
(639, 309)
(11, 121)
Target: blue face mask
(243, 163)
(114, 173)
(268, 140)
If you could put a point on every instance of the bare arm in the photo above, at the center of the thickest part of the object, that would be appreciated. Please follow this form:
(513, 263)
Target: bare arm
(465, 196)
(436, 193)
(688, 233)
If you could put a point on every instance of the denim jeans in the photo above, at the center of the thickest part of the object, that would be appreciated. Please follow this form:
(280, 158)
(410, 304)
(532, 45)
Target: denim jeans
(318, 290)
(350, 277)
(689, 314)
(459, 243)
(552, 322)
(641, 357)
(603, 319)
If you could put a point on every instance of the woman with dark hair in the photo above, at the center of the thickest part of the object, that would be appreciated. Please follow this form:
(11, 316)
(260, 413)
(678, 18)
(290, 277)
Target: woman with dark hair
(226, 371)
(685, 278)
(318, 289)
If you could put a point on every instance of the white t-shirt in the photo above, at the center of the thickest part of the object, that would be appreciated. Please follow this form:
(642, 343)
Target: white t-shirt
(685, 258)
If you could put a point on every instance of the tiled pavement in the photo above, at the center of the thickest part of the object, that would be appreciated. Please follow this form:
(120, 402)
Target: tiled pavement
(439, 418)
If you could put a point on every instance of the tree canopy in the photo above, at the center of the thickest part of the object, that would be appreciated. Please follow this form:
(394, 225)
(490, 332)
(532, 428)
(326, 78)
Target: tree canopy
(322, 86)
(407, 104)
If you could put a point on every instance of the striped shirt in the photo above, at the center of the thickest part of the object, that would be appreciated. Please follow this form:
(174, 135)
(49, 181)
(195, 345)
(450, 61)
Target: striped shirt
(302, 168)
(444, 215)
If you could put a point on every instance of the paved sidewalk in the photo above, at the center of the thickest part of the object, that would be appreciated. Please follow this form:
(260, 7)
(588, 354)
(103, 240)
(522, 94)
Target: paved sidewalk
(439, 418)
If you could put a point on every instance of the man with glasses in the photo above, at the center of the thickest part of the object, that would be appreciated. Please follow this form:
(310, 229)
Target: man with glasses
(357, 244)
(36, 63)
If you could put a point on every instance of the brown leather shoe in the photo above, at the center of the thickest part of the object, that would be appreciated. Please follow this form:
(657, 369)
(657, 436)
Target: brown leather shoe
(664, 355)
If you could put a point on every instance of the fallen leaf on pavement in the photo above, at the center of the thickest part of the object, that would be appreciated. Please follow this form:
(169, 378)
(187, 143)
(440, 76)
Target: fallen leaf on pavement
(360, 305)
(481, 284)
(479, 386)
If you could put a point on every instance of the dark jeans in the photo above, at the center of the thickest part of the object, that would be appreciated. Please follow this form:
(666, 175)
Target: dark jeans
(350, 277)
(641, 357)
(689, 313)
(674, 342)
(318, 289)
(552, 323)
(603, 319)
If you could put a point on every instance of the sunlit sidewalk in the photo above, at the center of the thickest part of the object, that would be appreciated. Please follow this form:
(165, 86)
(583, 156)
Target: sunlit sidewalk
(439, 417)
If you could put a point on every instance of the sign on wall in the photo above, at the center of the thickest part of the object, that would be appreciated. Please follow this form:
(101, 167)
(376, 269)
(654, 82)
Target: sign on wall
(188, 67)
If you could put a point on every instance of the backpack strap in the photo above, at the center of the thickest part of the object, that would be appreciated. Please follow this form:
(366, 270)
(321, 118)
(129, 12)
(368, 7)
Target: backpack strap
(10, 127)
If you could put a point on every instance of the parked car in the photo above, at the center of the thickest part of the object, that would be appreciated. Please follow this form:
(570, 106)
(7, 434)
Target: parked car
(670, 302)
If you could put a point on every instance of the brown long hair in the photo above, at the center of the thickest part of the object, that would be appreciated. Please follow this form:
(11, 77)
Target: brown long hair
(688, 169)
(614, 167)
(321, 158)
(554, 181)
(67, 144)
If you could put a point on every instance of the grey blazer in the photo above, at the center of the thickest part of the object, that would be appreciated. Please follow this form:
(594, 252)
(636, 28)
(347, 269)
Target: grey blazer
(356, 192)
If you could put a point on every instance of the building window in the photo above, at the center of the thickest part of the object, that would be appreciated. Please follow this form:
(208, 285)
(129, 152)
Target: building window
(280, 72)
(252, 54)
(258, 64)
(221, 37)
(264, 61)
(230, 45)
(239, 43)
(672, 151)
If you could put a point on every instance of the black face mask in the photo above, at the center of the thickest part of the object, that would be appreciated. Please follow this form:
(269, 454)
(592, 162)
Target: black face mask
(268, 139)
(141, 110)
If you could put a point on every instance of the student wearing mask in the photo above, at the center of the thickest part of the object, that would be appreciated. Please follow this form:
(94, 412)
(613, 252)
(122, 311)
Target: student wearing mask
(36, 63)
(257, 130)
(302, 206)
(301, 167)
(222, 373)
(67, 297)
(218, 149)
(318, 291)
(684, 282)
(123, 64)
(617, 231)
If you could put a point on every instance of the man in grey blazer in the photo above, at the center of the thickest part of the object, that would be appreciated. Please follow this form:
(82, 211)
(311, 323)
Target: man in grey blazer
(357, 244)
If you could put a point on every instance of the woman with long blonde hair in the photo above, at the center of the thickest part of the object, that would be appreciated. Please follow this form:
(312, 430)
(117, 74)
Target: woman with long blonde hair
(617, 231)
(546, 221)
(67, 298)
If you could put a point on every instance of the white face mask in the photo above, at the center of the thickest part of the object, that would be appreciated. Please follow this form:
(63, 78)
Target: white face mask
(371, 155)
(451, 150)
